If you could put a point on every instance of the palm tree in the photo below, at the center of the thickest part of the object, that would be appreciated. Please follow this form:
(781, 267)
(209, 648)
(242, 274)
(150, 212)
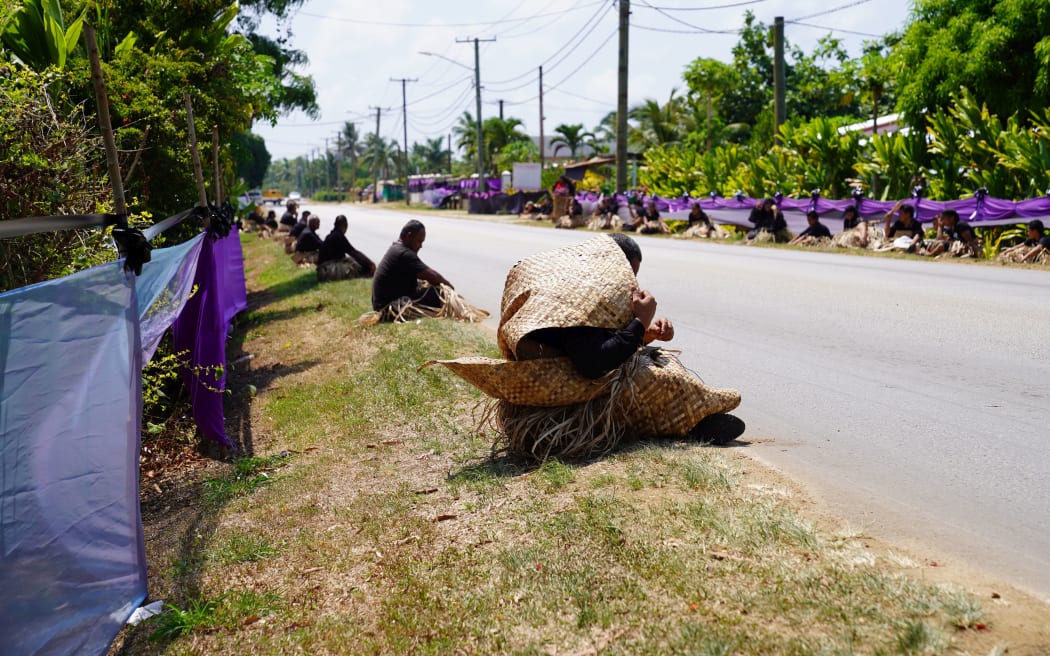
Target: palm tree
(466, 132)
(572, 137)
(381, 156)
(431, 155)
(658, 125)
(351, 147)
(498, 134)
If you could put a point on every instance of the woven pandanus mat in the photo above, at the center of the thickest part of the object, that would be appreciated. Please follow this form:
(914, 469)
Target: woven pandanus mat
(545, 382)
(586, 284)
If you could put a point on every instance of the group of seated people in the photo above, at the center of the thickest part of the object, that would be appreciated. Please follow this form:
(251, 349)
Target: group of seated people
(334, 257)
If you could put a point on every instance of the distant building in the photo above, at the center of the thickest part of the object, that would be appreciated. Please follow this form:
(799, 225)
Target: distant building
(887, 124)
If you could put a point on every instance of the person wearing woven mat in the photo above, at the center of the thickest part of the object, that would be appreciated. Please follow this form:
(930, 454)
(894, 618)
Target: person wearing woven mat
(577, 378)
(338, 259)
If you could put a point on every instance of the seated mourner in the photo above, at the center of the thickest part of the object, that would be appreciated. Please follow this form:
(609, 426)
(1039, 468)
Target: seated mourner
(308, 245)
(769, 223)
(338, 260)
(954, 237)
(404, 287)
(1033, 249)
(575, 319)
(906, 233)
(814, 233)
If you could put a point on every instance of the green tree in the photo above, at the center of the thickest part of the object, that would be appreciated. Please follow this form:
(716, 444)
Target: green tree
(251, 158)
(709, 81)
(351, 147)
(430, 156)
(572, 137)
(1000, 51)
(35, 34)
(659, 125)
(500, 133)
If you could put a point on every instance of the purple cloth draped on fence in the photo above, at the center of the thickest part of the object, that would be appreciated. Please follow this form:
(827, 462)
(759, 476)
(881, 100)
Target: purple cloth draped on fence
(202, 327)
(437, 195)
(163, 288)
(72, 560)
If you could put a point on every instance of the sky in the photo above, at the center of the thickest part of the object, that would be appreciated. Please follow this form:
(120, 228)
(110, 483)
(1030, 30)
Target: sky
(359, 51)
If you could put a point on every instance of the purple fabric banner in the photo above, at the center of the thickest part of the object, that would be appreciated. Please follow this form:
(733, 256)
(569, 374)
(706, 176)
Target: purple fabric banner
(163, 288)
(72, 560)
(202, 328)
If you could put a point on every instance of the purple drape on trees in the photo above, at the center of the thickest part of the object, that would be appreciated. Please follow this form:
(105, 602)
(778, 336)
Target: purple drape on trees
(202, 328)
(163, 288)
(72, 561)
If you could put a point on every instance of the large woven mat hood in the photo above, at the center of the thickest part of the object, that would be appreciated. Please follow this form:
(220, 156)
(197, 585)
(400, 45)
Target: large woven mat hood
(588, 284)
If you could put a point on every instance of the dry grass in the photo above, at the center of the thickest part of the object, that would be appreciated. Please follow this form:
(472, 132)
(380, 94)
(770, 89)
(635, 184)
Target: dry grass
(384, 525)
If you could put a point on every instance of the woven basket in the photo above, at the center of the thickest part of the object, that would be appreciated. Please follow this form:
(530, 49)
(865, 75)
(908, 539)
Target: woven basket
(587, 284)
(545, 382)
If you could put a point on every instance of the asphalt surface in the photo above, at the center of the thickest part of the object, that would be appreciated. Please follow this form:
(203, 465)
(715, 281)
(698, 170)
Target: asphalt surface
(911, 397)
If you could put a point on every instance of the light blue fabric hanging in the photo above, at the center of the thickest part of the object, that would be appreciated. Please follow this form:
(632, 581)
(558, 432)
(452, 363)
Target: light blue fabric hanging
(162, 290)
(72, 560)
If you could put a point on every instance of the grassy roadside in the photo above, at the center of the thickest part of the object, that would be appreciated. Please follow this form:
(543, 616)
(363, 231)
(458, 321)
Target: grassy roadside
(368, 518)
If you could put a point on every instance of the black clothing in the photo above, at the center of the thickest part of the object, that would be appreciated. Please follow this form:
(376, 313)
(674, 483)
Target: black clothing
(297, 229)
(594, 351)
(764, 219)
(288, 219)
(336, 246)
(577, 209)
(699, 219)
(396, 275)
(848, 223)
(961, 231)
(1045, 242)
(271, 223)
(308, 242)
(913, 228)
(818, 229)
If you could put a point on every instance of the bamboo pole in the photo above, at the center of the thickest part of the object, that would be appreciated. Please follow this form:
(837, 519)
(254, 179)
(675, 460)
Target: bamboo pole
(217, 191)
(202, 196)
(104, 122)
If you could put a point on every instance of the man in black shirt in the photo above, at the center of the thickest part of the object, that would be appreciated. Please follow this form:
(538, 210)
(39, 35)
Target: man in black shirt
(308, 245)
(338, 260)
(953, 236)
(400, 271)
(906, 233)
(288, 219)
(1031, 248)
(814, 232)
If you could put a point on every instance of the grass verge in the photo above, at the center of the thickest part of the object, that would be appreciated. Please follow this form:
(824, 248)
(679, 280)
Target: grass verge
(368, 517)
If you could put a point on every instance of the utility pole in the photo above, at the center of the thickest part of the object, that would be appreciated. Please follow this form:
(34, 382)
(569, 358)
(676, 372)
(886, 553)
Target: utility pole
(621, 99)
(542, 146)
(501, 109)
(339, 164)
(482, 186)
(404, 123)
(779, 110)
(450, 153)
(375, 183)
(327, 170)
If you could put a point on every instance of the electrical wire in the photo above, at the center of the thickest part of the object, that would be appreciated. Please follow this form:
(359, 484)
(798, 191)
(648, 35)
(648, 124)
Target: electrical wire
(728, 6)
(361, 21)
(836, 29)
(702, 30)
(848, 5)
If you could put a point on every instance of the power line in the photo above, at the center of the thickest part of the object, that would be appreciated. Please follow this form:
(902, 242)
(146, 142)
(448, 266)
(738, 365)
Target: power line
(361, 21)
(702, 30)
(836, 29)
(848, 5)
(728, 6)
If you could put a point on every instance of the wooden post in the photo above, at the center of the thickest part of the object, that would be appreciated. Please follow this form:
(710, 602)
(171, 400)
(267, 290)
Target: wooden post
(217, 191)
(202, 197)
(104, 122)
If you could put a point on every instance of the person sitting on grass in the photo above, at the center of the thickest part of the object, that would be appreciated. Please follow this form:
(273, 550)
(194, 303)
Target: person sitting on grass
(574, 219)
(954, 237)
(338, 260)
(296, 231)
(575, 320)
(605, 216)
(308, 246)
(647, 220)
(1033, 249)
(769, 223)
(288, 219)
(816, 234)
(906, 233)
(854, 230)
(404, 287)
(700, 224)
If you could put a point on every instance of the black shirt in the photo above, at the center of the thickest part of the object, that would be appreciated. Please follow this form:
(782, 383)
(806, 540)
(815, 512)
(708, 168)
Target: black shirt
(961, 231)
(336, 247)
(913, 228)
(818, 229)
(396, 275)
(288, 219)
(297, 229)
(766, 220)
(594, 351)
(1045, 242)
(308, 242)
(698, 216)
(848, 223)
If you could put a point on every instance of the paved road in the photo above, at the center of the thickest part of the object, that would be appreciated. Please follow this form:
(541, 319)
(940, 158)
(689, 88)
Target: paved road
(912, 397)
